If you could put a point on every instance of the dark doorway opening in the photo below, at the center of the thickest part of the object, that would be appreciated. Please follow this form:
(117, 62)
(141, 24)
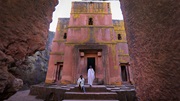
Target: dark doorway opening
(91, 62)
(58, 71)
(123, 73)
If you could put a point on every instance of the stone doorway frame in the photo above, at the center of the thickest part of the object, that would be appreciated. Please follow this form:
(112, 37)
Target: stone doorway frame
(99, 48)
(126, 65)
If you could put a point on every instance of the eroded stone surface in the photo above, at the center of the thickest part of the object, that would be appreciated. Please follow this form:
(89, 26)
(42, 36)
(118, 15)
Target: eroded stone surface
(24, 30)
(34, 68)
(153, 37)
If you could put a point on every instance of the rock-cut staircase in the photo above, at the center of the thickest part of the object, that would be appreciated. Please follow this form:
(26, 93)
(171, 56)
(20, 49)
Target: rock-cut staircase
(73, 93)
(96, 92)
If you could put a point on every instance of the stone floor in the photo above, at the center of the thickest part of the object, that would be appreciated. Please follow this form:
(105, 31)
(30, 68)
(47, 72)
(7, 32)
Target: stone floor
(90, 100)
(23, 96)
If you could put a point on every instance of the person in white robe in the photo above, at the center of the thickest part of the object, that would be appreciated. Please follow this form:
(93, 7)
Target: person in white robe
(90, 76)
(80, 83)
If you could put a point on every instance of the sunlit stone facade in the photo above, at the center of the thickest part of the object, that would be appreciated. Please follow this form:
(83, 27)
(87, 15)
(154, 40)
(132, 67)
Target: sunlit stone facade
(89, 37)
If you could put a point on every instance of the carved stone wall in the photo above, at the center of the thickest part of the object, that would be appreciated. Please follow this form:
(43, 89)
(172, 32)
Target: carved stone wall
(153, 37)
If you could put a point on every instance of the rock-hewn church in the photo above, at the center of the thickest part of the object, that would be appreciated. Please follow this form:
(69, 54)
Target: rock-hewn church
(89, 37)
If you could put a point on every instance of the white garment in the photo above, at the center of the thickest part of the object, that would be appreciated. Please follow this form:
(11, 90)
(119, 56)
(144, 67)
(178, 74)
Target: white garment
(90, 76)
(80, 82)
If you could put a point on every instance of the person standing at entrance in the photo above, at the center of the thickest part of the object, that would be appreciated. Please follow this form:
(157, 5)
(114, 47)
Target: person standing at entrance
(90, 76)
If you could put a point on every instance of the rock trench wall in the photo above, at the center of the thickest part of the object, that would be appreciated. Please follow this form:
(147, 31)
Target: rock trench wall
(153, 38)
(24, 30)
(33, 69)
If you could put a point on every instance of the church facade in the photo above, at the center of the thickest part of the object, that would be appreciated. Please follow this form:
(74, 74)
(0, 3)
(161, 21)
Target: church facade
(89, 38)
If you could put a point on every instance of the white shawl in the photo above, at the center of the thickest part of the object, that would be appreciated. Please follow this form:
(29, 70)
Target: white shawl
(90, 76)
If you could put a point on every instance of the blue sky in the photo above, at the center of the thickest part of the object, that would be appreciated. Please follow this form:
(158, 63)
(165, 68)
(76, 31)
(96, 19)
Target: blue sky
(64, 7)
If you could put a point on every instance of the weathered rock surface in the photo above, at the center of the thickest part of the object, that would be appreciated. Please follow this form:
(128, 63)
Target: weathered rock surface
(11, 88)
(24, 30)
(33, 69)
(153, 37)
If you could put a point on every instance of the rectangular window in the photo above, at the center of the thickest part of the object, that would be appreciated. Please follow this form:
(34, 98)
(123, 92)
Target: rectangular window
(65, 35)
(90, 21)
(119, 37)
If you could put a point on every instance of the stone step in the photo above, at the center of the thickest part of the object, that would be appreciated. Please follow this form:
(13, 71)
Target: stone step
(90, 100)
(90, 89)
(90, 95)
(121, 93)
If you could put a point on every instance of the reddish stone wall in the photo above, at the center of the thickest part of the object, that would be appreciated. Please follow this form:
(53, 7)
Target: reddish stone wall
(153, 37)
(24, 29)
(85, 37)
